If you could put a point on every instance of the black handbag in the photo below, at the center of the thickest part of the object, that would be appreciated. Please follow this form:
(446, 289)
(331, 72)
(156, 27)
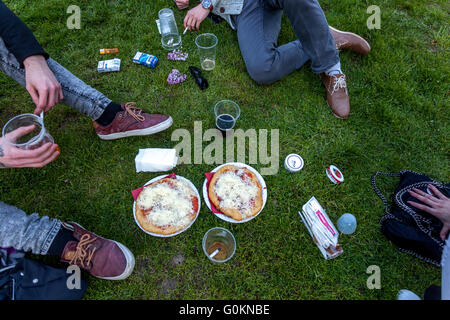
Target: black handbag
(25, 279)
(412, 230)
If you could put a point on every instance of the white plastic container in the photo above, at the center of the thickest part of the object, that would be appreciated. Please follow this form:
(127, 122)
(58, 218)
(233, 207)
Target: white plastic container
(294, 163)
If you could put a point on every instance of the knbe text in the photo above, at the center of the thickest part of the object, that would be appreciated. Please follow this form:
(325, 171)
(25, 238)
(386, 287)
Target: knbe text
(246, 309)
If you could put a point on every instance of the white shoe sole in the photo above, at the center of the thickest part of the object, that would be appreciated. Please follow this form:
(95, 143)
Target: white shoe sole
(139, 132)
(353, 34)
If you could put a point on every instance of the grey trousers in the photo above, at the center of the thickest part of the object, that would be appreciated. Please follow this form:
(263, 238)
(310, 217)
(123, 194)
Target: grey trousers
(77, 94)
(32, 232)
(258, 27)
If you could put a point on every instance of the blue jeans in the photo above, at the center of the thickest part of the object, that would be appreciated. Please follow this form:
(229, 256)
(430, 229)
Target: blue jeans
(77, 94)
(26, 232)
(258, 27)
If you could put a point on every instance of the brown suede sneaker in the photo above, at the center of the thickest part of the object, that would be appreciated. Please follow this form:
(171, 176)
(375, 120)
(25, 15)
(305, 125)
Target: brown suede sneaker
(337, 94)
(350, 41)
(102, 258)
(132, 122)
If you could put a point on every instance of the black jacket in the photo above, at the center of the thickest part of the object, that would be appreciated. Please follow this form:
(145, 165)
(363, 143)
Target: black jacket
(18, 38)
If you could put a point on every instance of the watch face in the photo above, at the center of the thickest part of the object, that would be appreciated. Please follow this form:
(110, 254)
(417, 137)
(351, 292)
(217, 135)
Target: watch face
(206, 3)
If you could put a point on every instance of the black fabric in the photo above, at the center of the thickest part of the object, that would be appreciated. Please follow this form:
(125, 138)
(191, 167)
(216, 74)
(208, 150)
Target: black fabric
(433, 292)
(59, 242)
(412, 230)
(18, 38)
(31, 280)
(109, 114)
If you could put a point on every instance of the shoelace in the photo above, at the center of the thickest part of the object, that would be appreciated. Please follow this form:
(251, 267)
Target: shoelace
(340, 44)
(83, 251)
(339, 83)
(134, 112)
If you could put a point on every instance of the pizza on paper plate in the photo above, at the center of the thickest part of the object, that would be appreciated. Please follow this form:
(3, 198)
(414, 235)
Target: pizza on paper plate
(236, 192)
(166, 206)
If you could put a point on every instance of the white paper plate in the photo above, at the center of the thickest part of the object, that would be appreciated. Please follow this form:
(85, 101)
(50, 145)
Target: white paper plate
(182, 230)
(261, 182)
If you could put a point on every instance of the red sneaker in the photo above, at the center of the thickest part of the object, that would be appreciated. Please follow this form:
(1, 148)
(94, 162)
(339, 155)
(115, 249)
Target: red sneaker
(103, 258)
(133, 122)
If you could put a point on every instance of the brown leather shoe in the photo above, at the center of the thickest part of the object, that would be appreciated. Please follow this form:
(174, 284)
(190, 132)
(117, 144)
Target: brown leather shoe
(350, 41)
(103, 258)
(132, 122)
(337, 94)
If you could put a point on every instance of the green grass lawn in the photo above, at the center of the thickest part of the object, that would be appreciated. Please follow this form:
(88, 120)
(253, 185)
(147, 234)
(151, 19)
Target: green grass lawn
(399, 120)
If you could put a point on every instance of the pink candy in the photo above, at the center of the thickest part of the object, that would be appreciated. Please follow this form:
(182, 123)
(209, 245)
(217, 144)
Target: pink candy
(175, 77)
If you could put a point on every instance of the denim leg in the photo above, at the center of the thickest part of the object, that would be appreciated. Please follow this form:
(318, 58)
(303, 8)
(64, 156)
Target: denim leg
(26, 232)
(258, 27)
(311, 27)
(77, 94)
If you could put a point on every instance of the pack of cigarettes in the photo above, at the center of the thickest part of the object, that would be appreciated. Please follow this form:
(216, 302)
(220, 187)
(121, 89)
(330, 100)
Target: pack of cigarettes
(322, 230)
(109, 65)
(145, 59)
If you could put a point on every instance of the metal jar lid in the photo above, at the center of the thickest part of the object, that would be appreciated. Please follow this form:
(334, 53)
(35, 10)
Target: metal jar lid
(293, 163)
(334, 174)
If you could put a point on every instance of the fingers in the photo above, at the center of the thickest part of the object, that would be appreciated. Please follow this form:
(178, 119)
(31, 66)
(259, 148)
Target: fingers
(34, 96)
(422, 196)
(422, 207)
(436, 192)
(189, 22)
(19, 132)
(43, 98)
(27, 155)
(47, 97)
(444, 232)
(46, 155)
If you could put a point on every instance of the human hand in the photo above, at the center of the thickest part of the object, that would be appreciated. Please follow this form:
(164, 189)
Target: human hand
(437, 205)
(13, 157)
(182, 4)
(41, 84)
(195, 16)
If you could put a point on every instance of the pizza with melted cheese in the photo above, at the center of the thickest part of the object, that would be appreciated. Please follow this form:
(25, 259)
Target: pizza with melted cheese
(166, 206)
(236, 192)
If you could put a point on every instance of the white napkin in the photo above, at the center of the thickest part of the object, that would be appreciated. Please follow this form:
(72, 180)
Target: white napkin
(155, 160)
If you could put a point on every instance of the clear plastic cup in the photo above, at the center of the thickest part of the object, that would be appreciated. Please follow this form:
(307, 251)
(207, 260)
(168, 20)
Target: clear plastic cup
(32, 140)
(206, 44)
(170, 38)
(219, 239)
(226, 112)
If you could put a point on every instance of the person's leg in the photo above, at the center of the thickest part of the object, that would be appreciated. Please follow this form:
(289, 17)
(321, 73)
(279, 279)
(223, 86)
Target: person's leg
(77, 94)
(311, 27)
(258, 27)
(28, 233)
(103, 258)
(111, 120)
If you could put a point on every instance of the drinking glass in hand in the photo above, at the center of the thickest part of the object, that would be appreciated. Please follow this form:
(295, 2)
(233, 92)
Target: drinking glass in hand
(34, 139)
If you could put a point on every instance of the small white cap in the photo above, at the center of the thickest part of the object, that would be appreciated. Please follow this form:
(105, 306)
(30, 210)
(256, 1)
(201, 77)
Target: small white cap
(293, 163)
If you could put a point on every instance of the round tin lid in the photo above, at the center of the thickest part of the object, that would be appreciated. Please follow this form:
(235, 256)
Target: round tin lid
(293, 162)
(336, 174)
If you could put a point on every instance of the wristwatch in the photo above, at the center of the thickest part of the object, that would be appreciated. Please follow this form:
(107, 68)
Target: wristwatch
(207, 4)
